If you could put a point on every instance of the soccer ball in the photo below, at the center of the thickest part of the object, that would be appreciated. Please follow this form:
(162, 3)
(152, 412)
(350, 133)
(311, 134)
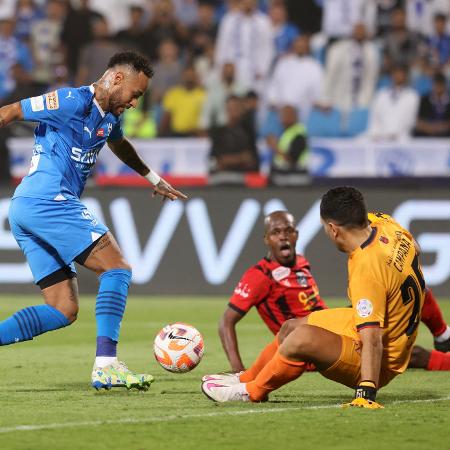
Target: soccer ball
(178, 347)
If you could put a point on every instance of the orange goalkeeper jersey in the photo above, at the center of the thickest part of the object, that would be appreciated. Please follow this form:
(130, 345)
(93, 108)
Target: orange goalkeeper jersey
(386, 288)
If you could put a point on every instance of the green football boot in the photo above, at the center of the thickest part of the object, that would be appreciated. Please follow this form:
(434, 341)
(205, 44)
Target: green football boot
(118, 375)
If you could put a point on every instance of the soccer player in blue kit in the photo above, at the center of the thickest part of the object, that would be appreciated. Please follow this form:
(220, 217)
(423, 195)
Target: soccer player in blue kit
(53, 227)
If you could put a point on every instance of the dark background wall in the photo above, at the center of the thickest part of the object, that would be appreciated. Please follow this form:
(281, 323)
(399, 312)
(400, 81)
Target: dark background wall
(203, 246)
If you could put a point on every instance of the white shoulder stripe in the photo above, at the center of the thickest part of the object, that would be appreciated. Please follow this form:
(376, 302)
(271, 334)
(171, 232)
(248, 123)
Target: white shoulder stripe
(100, 109)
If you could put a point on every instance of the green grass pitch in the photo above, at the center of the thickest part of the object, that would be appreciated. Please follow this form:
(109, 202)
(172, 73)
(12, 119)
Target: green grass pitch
(46, 401)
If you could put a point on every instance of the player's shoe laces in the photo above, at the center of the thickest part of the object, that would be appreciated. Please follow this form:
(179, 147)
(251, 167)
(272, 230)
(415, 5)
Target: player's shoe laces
(227, 378)
(221, 392)
(118, 375)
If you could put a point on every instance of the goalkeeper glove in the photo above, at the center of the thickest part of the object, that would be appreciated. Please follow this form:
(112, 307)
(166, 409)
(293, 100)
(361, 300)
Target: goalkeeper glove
(365, 395)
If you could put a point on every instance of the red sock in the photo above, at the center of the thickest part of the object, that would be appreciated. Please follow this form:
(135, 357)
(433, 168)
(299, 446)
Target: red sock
(263, 358)
(439, 361)
(432, 315)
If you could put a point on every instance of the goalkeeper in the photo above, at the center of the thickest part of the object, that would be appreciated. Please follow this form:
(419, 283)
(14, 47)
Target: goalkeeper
(364, 346)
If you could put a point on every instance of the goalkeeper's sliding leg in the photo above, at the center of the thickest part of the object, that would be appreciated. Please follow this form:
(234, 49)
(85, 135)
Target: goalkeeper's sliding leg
(326, 339)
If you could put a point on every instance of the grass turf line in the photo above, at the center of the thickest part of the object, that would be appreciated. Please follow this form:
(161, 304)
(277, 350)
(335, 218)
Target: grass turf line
(46, 382)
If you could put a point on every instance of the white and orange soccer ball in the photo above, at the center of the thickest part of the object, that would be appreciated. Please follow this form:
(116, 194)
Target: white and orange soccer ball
(178, 347)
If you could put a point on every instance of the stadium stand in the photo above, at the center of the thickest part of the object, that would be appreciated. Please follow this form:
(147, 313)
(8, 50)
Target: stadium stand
(61, 42)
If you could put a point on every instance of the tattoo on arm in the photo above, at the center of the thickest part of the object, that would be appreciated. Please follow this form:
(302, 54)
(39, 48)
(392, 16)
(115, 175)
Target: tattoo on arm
(127, 154)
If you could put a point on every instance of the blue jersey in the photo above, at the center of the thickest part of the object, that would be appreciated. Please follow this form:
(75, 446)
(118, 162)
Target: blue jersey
(72, 130)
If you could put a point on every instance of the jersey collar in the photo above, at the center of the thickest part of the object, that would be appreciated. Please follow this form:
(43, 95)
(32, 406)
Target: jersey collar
(369, 239)
(365, 244)
(273, 263)
(100, 109)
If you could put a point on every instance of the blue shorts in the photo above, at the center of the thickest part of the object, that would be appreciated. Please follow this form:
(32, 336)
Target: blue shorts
(52, 233)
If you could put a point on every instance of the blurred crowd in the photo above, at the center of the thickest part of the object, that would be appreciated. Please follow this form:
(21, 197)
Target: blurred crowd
(243, 70)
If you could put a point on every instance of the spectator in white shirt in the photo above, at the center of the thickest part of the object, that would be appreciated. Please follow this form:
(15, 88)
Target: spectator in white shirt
(420, 14)
(115, 12)
(351, 72)
(245, 39)
(394, 109)
(219, 88)
(340, 17)
(297, 79)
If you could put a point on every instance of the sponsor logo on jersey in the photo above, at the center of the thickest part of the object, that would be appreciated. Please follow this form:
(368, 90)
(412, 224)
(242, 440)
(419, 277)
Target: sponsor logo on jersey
(89, 157)
(243, 290)
(100, 132)
(88, 131)
(37, 103)
(302, 279)
(280, 272)
(52, 100)
(364, 308)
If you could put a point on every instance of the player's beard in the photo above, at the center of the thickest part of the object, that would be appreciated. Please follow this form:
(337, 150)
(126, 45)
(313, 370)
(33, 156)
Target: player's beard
(117, 105)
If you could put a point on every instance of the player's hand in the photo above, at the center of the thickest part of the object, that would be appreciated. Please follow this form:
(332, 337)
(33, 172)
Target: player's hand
(363, 403)
(166, 190)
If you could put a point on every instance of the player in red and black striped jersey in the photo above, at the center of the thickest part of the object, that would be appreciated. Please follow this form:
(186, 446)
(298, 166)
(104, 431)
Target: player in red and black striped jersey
(280, 286)
(277, 291)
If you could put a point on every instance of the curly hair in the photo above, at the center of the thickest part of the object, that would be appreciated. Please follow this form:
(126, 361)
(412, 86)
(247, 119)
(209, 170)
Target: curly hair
(138, 62)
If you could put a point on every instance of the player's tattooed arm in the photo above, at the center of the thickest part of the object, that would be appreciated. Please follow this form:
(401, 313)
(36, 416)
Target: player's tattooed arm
(126, 152)
(10, 113)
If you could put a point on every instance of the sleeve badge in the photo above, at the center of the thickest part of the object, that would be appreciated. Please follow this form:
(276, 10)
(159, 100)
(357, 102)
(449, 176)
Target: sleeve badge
(364, 308)
(52, 100)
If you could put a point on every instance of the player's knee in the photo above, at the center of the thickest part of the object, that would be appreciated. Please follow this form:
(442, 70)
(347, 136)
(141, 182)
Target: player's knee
(69, 309)
(125, 266)
(120, 264)
(419, 358)
(301, 343)
(72, 316)
(287, 328)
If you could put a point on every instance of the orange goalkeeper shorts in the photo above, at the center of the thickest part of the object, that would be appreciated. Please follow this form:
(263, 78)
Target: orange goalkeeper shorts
(347, 369)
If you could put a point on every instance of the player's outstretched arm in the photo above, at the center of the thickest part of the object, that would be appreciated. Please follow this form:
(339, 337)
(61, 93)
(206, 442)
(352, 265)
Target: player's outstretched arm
(227, 333)
(126, 152)
(371, 354)
(10, 113)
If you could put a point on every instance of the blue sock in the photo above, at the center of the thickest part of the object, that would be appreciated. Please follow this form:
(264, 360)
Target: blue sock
(30, 322)
(109, 309)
